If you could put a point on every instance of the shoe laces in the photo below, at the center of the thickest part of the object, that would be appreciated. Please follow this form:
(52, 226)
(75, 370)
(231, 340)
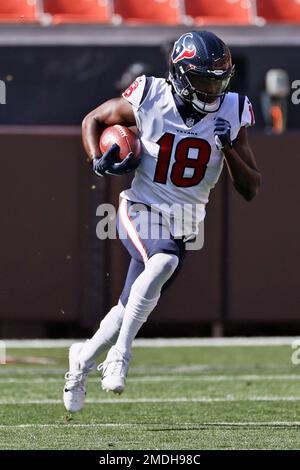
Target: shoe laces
(75, 380)
(116, 366)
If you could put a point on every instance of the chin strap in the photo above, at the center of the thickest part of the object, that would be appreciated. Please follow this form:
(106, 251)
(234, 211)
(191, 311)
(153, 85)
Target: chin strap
(207, 107)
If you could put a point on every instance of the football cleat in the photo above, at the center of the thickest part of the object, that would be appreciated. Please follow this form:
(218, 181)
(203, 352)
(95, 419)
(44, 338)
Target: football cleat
(76, 381)
(114, 371)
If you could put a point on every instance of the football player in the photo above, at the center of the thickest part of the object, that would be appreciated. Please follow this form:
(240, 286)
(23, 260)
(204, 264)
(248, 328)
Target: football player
(189, 125)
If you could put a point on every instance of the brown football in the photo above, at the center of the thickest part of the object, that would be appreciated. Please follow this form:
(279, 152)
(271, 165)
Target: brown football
(127, 140)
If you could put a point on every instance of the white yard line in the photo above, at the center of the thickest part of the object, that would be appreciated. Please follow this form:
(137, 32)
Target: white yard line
(142, 370)
(121, 401)
(213, 378)
(173, 378)
(164, 342)
(150, 425)
(168, 372)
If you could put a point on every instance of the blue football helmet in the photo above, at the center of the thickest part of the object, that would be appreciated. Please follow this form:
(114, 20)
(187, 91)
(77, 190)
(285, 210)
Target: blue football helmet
(201, 69)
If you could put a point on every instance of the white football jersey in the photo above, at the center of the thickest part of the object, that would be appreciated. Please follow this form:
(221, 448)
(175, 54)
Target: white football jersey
(180, 162)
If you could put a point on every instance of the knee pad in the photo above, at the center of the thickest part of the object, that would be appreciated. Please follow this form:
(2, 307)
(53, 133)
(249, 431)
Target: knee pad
(146, 289)
(162, 264)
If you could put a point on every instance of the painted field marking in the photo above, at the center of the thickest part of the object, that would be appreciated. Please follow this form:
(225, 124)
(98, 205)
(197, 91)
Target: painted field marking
(173, 378)
(163, 342)
(145, 426)
(122, 401)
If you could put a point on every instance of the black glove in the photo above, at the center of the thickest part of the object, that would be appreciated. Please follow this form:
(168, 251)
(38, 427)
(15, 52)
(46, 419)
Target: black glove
(222, 133)
(106, 165)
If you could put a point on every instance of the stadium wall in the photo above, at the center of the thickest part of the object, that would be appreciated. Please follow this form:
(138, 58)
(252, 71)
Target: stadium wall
(58, 85)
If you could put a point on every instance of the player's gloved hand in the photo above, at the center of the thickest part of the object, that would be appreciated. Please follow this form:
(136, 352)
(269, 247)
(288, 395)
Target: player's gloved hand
(106, 165)
(222, 133)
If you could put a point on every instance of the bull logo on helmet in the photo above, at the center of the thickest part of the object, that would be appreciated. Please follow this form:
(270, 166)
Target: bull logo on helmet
(184, 48)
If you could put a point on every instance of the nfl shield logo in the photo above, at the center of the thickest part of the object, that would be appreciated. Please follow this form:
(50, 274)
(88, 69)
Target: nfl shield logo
(190, 122)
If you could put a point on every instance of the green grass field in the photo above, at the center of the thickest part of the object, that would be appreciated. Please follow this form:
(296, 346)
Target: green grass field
(204, 397)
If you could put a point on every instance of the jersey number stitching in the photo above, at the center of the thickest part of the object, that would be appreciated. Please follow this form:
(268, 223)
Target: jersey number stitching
(182, 160)
(127, 93)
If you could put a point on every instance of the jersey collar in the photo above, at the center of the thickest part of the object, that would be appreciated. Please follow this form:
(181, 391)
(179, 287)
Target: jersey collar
(187, 112)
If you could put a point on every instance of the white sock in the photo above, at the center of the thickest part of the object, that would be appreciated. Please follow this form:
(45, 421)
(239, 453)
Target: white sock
(104, 337)
(143, 298)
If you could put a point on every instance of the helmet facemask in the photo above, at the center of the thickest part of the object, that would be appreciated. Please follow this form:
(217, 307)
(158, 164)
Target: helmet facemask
(205, 92)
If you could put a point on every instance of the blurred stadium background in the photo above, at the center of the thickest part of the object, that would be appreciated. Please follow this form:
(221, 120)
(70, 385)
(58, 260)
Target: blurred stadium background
(61, 58)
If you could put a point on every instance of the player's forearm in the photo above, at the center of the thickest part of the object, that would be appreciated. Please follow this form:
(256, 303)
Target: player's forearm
(114, 111)
(91, 132)
(94, 124)
(246, 180)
